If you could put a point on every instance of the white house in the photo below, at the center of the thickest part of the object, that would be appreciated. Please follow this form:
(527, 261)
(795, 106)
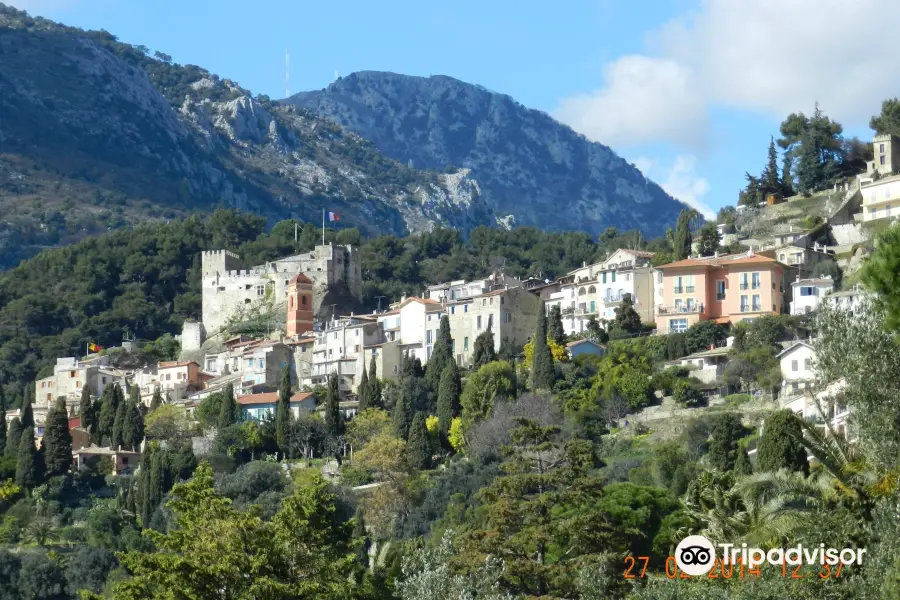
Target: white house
(824, 406)
(797, 368)
(707, 366)
(807, 294)
(849, 299)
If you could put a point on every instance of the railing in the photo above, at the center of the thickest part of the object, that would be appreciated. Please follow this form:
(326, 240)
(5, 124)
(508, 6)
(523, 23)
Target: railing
(568, 310)
(689, 289)
(613, 299)
(720, 296)
(756, 285)
(681, 310)
(679, 290)
(757, 307)
(745, 308)
(744, 286)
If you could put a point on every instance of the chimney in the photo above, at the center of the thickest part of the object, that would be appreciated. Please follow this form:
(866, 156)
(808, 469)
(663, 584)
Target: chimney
(716, 254)
(583, 264)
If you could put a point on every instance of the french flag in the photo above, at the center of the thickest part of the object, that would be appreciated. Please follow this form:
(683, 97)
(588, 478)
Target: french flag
(332, 216)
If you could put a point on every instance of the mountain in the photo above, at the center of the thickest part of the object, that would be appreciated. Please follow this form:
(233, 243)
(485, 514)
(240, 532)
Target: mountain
(532, 169)
(96, 134)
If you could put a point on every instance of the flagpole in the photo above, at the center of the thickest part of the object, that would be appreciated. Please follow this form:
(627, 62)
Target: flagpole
(323, 226)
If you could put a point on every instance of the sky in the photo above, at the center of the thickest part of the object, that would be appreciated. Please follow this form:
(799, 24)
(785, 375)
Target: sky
(690, 91)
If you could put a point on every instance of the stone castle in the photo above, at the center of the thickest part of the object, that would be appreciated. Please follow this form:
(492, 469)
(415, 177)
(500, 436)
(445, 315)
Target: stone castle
(229, 287)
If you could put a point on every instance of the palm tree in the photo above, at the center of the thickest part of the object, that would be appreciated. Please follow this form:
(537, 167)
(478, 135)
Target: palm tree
(41, 531)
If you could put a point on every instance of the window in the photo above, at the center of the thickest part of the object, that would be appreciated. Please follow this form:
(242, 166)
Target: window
(807, 291)
(720, 289)
(744, 284)
(627, 276)
(291, 302)
(78, 385)
(593, 307)
(807, 364)
(210, 365)
(124, 460)
(466, 344)
(249, 362)
(334, 335)
(502, 298)
(582, 292)
(478, 321)
(659, 277)
(260, 290)
(744, 305)
(794, 386)
(592, 290)
(428, 336)
(484, 301)
(262, 363)
(881, 159)
(603, 277)
(507, 316)
(794, 366)
(689, 284)
(756, 281)
(756, 304)
(71, 374)
(168, 377)
(881, 149)
(103, 379)
(678, 303)
(613, 278)
(677, 325)
(465, 308)
(452, 310)
(678, 288)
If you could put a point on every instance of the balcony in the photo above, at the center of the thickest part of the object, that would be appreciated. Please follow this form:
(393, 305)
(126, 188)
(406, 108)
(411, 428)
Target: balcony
(613, 299)
(755, 285)
(568, 310)
(720, 295)
(679, 290)
(745, 286)
(757, 307)
(689, 289)
(681, 310)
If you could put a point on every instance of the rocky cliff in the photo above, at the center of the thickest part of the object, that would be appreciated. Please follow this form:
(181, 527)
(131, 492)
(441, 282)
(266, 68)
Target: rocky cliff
(96, 134)
(532, 169)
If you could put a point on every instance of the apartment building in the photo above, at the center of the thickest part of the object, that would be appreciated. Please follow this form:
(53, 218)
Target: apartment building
(339, 349)
(727, 289)
(71, 375)
(178, 379)
(807, 294)
(413, 323)
(456, 290)
(805, 259)
(881, 198)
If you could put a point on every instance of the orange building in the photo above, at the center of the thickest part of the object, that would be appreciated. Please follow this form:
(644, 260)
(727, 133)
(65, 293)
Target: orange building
(727, 289)
(300, 307)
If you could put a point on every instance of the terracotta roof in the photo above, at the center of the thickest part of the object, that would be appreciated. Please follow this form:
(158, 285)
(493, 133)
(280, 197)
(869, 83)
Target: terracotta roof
(299, 278)
(721, 261)
(304, 340)
(270, 398)
(426, 301)
(641, 253)
(174, 363)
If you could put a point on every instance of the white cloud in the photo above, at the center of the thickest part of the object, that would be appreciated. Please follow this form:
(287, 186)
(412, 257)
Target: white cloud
(768, 56)
(679, 179)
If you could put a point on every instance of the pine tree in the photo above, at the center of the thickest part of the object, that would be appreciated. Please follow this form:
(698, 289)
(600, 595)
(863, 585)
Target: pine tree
(483, 351)
(334, 419)
(87, 412)
(743, 466)
(723, 448)
(109, 404)
(283, 412)
(779, 446)
(228, 413)
(374, 400)
(448, 397)
(360, 533)
(787, 176)
(418, 448)
(2, 422)
(363, 391)
(555, 329)
(29, 470)
(13, 437)
(769, 181)
(441, 354)
(157, 401)
(57, 440)
(683, 239)
(543, 374)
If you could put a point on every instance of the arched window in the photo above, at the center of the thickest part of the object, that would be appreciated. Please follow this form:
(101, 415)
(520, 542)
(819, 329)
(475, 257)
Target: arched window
(592, 290)
(581, 292)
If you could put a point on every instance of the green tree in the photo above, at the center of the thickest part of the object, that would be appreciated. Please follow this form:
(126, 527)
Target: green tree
(118, 436)
(888, 120)
(229, 413)
(627, 322)
(57, 440)
(743, 466)
(700, 336)
(488, 385)
(676, 346)
(448, 397)
(360, 533)
(685, 392)
(13, 437)
(543, 374)
(594, 332)
(363, 391)
(334, 419)
(723, 447)
(815, 142)
(283, 411)
(555, 328)
(881, 274)
(709, 239)
(109, 404)
(3, 425)
(418, 448)
(133, 428)
(157, 400)
(483, 351)
(683, 239)
(87, 411)
(374, 400)
(441, 355)
(780, 446)
(29, 467)
(402, 416)
(27, 410)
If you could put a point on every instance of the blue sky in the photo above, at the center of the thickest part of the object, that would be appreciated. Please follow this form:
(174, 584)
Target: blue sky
(689, 90)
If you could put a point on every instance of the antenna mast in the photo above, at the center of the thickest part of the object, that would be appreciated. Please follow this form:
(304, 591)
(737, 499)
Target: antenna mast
(287, 73)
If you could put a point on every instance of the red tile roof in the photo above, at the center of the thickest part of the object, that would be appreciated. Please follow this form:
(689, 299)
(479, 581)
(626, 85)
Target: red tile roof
(300, 278)
(270, 398)
(174, 363)
(721, 261)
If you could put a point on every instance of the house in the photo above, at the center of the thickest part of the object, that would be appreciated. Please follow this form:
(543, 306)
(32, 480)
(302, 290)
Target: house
(886, 156)
(797, 368)
(261, 406)
(708, 367)
(584, 348)
(177, 379)
(339, 349)
(824, 406)
(123, 462)
(728, 289)
(71, 375)
(457, 290)
(807, 294)
(805, 259)
(851, 299)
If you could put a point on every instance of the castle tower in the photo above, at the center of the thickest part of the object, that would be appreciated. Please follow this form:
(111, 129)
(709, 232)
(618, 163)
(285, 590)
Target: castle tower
(299, 306)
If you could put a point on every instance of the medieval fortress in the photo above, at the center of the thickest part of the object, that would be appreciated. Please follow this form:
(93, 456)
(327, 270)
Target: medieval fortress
(230, 289)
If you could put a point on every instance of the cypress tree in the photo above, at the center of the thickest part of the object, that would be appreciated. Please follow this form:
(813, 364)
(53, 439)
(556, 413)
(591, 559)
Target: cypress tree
(283, 412)
(2, 422)
(448, 397)
(779, 446)
(118, 435)
(769, 181)
(29, 473)
(109, 404)
(418, 448)
(542, 372)
(483, 351)
(555, 328)
(515, 379)
(159, 465)
(682, 242)
(87, 411)
(743, 466)
(363, 392)
(723, 447)
(228, 413)
(133, 430)
(57, 440)
(441, 354)
(334, 420)
(156, 402)
(374, 400)
(27, 412)
(13, 437)
(402, 416)
(360, 533)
